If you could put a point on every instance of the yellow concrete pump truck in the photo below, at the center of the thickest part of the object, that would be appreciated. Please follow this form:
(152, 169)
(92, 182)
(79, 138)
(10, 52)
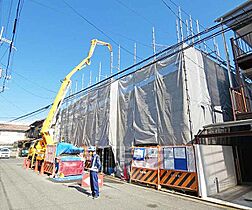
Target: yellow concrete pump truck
(38, 148)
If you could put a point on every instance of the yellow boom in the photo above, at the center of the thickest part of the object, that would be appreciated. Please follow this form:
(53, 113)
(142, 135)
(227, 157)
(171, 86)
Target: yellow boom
(47, 138)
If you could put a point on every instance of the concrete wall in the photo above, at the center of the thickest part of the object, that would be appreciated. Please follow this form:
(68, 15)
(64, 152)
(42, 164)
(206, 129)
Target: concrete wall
(215, 161)
(8, 137)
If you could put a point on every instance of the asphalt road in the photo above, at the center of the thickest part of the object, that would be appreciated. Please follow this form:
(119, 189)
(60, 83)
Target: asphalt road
(24, 189)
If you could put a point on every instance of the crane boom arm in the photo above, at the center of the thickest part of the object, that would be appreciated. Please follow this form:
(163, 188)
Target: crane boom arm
(46, 136)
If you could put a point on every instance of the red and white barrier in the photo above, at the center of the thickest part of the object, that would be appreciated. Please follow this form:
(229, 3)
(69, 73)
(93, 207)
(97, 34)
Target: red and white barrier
(85, 182)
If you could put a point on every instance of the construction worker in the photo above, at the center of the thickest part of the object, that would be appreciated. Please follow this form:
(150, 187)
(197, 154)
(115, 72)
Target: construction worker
(95, 167)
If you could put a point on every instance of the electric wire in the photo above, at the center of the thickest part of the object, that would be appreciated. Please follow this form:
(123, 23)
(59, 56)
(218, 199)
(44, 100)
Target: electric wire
(98, 29)
(35, 83)
(28, 91)
(46, 6)
(8, 19)
(165, 3)
(171, 48)
(17, 16)
(1, 17)
(207, 30)
(134, 11)
(4, 54)
(125, 37)
(32, 113)
(132, 40)
(11, 103)
(1, 11)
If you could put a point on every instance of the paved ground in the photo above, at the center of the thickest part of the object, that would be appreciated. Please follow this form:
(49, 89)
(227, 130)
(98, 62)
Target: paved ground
(240, 194)
(23, 189)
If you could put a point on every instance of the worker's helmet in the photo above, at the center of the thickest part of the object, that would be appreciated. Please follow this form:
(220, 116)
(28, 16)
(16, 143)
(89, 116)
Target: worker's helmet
(91, 149)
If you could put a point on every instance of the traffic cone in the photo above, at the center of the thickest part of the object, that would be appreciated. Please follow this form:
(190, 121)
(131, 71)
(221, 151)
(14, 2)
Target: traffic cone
(36, 166)
(24, 164)
(28, 163)
(42, 169)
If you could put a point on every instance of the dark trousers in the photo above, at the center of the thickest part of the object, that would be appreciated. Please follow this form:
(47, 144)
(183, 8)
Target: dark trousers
(94, 183)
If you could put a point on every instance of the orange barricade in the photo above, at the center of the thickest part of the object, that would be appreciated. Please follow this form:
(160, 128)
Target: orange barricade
(179, 179)
(49, 167)
(166, 166)
(144, 175)
(144, 168)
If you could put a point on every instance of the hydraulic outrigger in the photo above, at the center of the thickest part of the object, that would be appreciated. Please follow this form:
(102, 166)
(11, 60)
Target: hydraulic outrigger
(39, 148)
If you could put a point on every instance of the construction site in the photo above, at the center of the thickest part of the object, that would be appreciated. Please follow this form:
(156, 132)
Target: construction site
(176, 124)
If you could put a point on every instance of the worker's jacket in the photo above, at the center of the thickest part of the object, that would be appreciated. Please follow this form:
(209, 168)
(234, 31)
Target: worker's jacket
(95, 163)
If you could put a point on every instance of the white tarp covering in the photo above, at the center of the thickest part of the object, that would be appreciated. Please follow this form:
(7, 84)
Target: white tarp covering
(164, 103)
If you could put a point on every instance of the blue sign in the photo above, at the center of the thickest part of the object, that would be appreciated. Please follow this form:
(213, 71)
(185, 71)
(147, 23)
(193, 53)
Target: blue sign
(139, 154)
(180, 160)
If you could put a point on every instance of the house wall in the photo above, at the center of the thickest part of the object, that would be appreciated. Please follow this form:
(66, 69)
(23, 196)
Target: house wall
(215, 162)
(9, 137)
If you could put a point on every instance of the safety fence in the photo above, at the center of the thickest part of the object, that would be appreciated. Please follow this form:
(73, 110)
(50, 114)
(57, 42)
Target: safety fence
(165, 166)
(49, 162)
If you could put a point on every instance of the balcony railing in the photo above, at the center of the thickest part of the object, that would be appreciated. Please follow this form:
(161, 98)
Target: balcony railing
(242, 45)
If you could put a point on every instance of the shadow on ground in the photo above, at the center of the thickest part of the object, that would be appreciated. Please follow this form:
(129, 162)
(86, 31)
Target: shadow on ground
(80, 189)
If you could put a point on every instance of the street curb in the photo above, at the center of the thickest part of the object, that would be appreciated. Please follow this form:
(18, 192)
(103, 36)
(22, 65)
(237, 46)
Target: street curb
(212, 201)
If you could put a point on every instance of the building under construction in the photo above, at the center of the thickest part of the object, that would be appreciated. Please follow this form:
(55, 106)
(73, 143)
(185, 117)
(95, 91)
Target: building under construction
(181, 98)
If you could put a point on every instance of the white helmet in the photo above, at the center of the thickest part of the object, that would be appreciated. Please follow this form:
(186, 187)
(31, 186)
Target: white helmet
(91, 149)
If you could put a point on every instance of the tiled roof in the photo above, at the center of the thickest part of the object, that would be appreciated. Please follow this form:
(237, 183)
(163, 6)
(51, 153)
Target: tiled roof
(13, 127)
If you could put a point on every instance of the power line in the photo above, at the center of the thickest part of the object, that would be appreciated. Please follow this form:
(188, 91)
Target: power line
(173, 52)
(31, 93)
(132, 40)
(134, 11)
(140, 15)
(45, 6)
(170, 48)
(8, 20)
(164, 2)
(186, 13)
(4, 54)
(97, 28)
(35, 83)
(18, 12)
(13, 104)
(34, 112)
(93, 25)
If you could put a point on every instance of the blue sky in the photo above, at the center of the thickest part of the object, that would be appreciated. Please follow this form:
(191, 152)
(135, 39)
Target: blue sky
(52, 39)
